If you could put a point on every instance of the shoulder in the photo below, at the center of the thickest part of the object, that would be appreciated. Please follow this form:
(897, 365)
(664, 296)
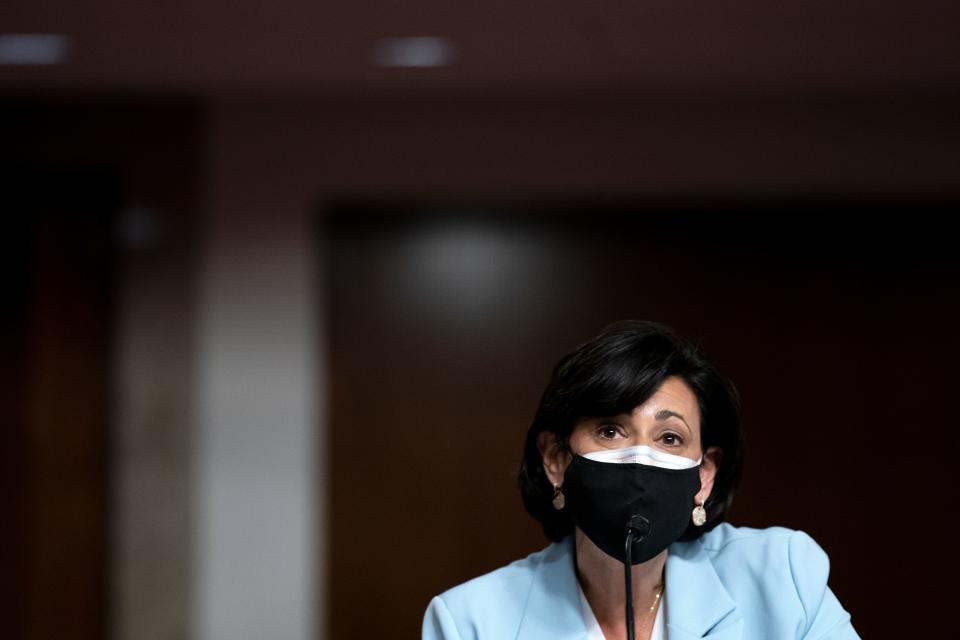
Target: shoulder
(728, 539)
(505, 582)
(782, 572)
(460, 611)
(759, 551)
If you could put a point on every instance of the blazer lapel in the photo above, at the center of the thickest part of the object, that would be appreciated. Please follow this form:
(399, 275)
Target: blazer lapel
(553, 605)
(698, 605)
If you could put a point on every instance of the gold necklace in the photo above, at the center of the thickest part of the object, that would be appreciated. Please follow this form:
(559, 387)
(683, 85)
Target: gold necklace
(656, 599)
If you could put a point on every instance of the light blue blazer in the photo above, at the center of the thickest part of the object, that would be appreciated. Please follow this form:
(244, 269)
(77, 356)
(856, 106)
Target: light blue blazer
(730, 584)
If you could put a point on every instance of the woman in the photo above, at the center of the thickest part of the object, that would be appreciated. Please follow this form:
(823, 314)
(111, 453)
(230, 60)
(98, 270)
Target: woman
(630, 465)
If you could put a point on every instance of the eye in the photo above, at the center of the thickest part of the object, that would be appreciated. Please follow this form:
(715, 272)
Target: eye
(609, 431)
(671, 439)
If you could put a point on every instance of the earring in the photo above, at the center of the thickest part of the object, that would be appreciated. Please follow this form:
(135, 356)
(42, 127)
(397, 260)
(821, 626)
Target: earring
(559, 500)
(699, 515)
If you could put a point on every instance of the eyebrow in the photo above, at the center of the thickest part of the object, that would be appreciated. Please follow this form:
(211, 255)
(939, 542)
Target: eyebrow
(663, 414)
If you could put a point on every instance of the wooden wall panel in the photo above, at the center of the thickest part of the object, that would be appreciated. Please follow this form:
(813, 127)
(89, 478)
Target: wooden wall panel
(834, 320)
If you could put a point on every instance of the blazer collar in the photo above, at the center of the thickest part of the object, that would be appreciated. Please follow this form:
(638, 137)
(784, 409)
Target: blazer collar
(698, 605)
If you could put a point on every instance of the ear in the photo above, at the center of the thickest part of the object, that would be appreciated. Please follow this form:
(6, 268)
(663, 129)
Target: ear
(708, 471)
(555, 459)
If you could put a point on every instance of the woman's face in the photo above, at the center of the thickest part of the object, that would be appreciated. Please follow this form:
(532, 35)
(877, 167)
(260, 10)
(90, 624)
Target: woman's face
(668, 421)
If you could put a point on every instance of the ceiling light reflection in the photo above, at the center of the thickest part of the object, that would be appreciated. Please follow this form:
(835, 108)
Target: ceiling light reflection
(33, 48)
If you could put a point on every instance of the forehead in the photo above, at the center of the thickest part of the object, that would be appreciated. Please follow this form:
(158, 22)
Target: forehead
(673, 404)
(674, 395)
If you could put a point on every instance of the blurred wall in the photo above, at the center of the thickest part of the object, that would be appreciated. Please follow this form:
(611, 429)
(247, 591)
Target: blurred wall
(273, 164)
(145, 231)
(221, 489)
(446, 318)
(55, 346)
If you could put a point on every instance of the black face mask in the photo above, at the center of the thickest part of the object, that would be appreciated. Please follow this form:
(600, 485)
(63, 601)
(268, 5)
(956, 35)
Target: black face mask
(604, 498)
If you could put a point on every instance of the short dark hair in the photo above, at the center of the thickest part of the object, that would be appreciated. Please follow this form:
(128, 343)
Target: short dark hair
(612, 374)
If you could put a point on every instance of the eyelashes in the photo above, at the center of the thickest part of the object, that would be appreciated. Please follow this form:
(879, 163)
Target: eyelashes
(612, 431)
(675, 440)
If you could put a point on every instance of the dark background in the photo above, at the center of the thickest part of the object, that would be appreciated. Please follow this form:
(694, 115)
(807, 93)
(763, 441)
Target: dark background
(834, 321)
(218, 211)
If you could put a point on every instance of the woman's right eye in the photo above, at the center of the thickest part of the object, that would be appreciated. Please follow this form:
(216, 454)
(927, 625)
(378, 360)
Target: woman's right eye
(609, 431)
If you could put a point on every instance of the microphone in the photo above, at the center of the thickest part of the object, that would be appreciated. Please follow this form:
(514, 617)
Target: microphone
(638, 528)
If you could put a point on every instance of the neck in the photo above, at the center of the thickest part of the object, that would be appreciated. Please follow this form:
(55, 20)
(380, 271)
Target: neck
(601, 578)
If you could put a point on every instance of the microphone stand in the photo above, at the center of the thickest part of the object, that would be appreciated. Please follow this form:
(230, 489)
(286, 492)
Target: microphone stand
(638, 527)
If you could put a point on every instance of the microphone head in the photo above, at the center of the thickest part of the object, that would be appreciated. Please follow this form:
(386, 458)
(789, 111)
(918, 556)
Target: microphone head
(640, 527)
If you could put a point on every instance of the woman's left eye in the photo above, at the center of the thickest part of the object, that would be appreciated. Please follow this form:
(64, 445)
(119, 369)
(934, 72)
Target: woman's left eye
(671, 439)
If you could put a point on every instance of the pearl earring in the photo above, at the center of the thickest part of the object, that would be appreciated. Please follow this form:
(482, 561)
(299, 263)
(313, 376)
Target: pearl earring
(559, 500)
(699, 515)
